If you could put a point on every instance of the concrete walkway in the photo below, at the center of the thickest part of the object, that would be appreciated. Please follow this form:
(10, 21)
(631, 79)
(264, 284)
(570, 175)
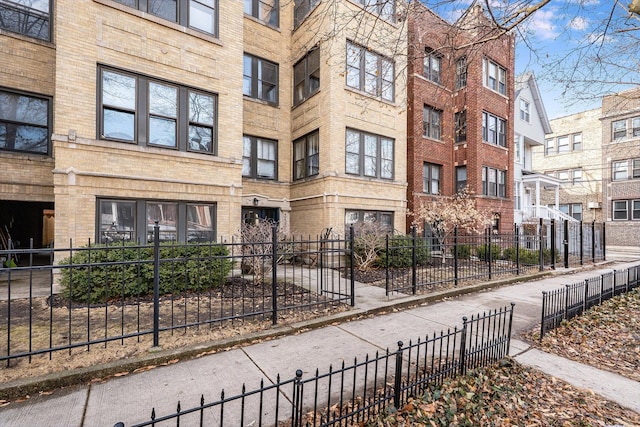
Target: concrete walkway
(130, 398)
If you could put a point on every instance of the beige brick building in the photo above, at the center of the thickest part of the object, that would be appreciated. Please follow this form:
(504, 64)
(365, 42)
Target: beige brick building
(572, 154)
(621, 167)
(199, 115)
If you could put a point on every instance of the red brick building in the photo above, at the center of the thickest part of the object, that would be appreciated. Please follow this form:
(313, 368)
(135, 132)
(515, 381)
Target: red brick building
(460, 112)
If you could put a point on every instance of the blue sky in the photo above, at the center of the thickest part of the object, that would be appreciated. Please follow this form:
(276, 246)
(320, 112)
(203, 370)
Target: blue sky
(559, 43)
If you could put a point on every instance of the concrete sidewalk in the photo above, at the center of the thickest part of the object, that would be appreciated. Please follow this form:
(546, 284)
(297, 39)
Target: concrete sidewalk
(130, 398)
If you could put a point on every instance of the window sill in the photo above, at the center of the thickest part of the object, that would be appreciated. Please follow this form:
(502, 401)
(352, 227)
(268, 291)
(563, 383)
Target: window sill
(428, 138)
(368, 95)
(496, 146)
(260, 101)
(261, 22)
(489, 89)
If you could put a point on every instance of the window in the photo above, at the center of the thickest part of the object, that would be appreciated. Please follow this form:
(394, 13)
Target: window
(28, 17)
(635, 209)
(432, 65)
(549, 146)
(572, 209)
(636, 168)
(576, 176)
(259, 157)
(635, 127)
(306, 156)
(369, 155)
(431, 178)
(460, 119)
(494, 182)
(619, 129)
(357, 217)
(306, 76)
(25, 123)
(134, 220)
(201, 15)
(525, 113)
(620, 170)
(563, 175)
(301, 9)
(135, 108)
(461, 72)
(494, 76)
(461, 178)
(431, 122)
(370, 72)
(620, 210)
(384, 8)
(260, 79)
(494, 130)
(268, 11)
(563, 144)
(577, 141)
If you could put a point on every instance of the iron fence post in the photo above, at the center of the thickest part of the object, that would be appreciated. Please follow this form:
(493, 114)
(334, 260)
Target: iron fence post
(274, 274)
(414, 261)
(565, 242)
(489, 251)
(566, 302)
(297, 400)
(601, 288)
(156, 284)
(352, 239)
(386, 265)
(553, 244)
(540, 247)
(593, 241)
(604, 242)
(544, 307)
(513, 304)
(455, 255)
(581, 244)
(463, 346)
(517, 242)
(397, 385)
(586, 295)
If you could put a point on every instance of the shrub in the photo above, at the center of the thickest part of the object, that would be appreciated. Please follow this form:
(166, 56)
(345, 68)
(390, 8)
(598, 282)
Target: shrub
(97, 274)
(482, 251)
(400, 253)
(529, 256)
(464, 251)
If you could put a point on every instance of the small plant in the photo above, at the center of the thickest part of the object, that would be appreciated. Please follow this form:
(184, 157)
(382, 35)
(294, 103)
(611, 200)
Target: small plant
(464, 251)
(99, 273)
(400, 253)
(482, 251)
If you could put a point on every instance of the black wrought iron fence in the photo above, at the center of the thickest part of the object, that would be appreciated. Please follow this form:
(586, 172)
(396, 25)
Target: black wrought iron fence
(355, 392)
(572, 300)
(127, 291)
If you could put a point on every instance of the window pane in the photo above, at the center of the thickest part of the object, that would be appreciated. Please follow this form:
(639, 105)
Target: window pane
(167, 216)
(577, 142)
(202, 15)
(636, 209)
(247, 72)
(117, 221)
(25, 138)
(162, 131)
(371, 73)
(118, 90)
(163, 100)
(353, 152)
(118, 124)
(24, 109)
(163, 8)
(201, 108)
(200, 223)
(200, 138)
(28, 17)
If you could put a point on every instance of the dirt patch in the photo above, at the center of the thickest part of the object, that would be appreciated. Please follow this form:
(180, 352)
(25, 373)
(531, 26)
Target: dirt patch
(606, 336)
(122, 329)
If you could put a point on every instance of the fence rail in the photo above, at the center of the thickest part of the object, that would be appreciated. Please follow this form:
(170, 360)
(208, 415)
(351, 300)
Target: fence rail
(572, 300)
(121, 292)
(124, 291)
(355, 392)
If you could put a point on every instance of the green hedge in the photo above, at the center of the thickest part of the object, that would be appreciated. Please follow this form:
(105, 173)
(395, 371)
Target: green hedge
(183, 268)
(482, 251)
(529, 256)
(400, 253)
